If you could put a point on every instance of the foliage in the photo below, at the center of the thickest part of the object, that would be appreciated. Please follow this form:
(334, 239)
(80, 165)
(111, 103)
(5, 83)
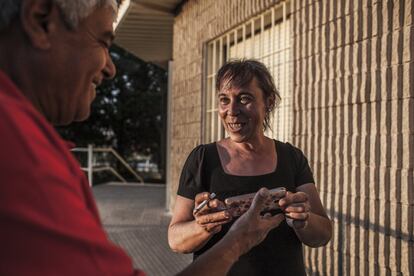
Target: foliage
(128, 112)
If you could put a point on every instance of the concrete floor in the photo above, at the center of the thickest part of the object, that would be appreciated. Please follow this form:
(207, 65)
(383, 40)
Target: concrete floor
(134, 217)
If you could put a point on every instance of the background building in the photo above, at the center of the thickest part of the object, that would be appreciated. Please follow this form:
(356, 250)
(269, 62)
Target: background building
(345, 71)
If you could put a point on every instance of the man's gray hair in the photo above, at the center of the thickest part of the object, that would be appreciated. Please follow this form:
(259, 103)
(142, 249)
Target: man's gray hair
(73, 11)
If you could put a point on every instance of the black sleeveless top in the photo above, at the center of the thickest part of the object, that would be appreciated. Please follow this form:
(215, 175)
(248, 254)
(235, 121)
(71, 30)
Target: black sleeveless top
(281, 251)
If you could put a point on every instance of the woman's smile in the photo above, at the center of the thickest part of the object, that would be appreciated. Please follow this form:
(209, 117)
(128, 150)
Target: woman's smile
(235, 127)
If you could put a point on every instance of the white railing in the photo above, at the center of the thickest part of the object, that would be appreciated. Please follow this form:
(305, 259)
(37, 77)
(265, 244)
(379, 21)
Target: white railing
(90, 150)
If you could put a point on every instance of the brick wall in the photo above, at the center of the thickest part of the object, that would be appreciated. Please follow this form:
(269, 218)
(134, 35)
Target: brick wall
(353, 118)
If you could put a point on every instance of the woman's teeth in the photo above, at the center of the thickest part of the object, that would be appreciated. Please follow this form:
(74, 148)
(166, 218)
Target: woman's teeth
(235, 126)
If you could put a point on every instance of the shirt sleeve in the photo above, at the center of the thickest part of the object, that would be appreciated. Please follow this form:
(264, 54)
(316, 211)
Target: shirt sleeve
(303, 172)
(192, 174)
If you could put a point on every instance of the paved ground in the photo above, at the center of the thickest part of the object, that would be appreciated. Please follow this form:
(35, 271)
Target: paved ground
(134, 217)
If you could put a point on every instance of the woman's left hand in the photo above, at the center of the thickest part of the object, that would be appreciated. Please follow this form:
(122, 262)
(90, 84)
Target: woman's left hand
(296, 207)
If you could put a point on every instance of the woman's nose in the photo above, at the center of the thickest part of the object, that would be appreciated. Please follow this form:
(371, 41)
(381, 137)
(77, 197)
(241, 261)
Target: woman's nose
(234, 109)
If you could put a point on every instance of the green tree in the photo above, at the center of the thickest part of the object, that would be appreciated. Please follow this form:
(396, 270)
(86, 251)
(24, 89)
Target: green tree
(129, 112)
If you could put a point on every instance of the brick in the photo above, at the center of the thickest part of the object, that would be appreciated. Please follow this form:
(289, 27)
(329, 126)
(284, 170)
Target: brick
(375, 86)
(386, 17)
(348, 28)
(397, 23)
(324, 12)
(396, 116)
(376, 21)
(338, 56)
(407, 149)
(408, 14)
(365, 47)
(407, 251)
(347, 7)
(372, 255)
(396, 50)
(356, 58)
(366, 22)
(385, 52)
(347, 57)
(324, 65)
(375, 44)
(384, 248)
(395, 221)
(407, 115)
(317, 13)
(332, 13)
(385, 84)
(408, 44)
(407, 193)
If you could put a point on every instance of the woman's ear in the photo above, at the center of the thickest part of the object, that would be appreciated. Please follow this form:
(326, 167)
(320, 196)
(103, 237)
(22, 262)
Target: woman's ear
(37, 18)
(270, 103)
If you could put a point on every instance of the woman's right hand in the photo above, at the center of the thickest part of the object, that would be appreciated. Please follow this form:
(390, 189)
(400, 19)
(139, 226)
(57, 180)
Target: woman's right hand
(212, 216)
(189, 231)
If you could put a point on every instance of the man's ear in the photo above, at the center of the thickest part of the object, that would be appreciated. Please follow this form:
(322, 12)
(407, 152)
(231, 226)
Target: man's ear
(38, 19)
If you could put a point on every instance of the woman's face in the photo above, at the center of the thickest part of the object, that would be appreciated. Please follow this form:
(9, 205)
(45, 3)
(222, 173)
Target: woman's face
(242, 111)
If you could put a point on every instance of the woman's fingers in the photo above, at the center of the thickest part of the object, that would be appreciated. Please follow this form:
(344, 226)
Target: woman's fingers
(292, 198)
(212, 215)
(213, 228)
(222, 216)
(298, 216)
(298, 208)
(214, 205)
(201, 197)
(297, 211)
(207, 205)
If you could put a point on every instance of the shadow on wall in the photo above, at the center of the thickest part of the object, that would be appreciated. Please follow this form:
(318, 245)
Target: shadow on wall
(354, 118)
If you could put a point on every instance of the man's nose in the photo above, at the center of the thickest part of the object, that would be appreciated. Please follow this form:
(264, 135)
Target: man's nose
(110, 69)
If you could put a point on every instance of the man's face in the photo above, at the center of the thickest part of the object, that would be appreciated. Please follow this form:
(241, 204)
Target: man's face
(80, 61)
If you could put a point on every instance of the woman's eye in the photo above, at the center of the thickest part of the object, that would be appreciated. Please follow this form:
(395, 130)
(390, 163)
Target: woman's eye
(223, 100)
(245, 100)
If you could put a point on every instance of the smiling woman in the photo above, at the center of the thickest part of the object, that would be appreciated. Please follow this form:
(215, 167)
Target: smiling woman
(242, 163)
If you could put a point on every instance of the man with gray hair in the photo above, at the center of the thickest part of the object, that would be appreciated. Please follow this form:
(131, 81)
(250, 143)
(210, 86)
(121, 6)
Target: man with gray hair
(53, 55)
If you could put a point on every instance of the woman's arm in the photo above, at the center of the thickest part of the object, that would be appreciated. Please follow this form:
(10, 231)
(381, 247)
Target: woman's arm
(188, 233)
(310, 222)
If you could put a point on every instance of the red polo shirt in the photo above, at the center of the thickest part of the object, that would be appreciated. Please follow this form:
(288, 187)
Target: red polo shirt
(49, 224)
